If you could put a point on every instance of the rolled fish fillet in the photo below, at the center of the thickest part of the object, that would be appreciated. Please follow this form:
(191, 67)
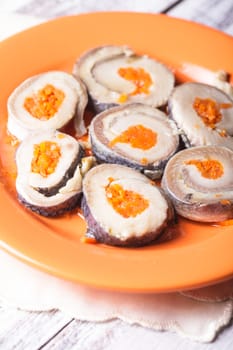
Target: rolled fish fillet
(49, 178)
(122, 207)
(136, 135)
(116, 75)
(203, 115)
(47, 101)
(199, 182)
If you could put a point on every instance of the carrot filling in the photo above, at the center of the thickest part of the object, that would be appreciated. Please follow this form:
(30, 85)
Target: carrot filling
(209, 110)
(126, 203)
(225, 202)
(45, 103)
(210, 169)
(137, 136)
(123, 98)
(46, 156)
(223, 133)
(144, 161)
(139, 77)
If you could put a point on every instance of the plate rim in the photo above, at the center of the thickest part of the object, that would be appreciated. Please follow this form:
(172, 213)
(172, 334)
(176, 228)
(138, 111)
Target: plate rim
(43, 264)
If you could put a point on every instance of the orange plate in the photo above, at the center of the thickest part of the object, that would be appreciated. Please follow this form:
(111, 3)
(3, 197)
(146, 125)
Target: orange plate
(202, 254)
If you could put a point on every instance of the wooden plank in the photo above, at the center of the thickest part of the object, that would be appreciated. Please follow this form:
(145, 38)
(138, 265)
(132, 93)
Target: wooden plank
(115, 335)
(10, 6)
(29, 330)
(214, 13)
(56, 331)
(86, 335)
(55, 8)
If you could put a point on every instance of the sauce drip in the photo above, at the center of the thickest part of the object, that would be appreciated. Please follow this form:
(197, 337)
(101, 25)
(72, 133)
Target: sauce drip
(137, 136)
(45, 103)
(226, 223)
(46, 156)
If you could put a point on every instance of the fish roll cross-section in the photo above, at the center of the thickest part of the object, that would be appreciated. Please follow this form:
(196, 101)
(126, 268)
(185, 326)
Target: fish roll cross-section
(122, 207)
(47, 101)
(49, 178)
(199, 182)
(135, 135)
(116, 75)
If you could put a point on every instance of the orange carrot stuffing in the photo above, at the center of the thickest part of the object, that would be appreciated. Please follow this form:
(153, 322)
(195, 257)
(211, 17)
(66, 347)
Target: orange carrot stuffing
(45, 103)
(45, 158)
(210, 168)
(123, 98)
(126, 203)
(209, 110)
(139, 77)
(225, 202)
(144, 161)
(137, 136)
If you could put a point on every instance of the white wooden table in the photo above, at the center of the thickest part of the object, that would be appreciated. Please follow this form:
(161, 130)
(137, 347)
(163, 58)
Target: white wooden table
(55, 330)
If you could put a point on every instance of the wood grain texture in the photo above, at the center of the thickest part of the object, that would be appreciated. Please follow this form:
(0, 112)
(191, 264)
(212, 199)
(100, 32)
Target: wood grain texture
(28, 330)
(214, 13)
(117, 335)
(21, 330)
(56, 331)
(55, 8)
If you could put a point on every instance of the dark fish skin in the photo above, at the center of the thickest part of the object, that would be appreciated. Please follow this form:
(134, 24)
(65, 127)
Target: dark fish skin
(206, 213)
(184, 200)
(112, 158)
(106, 238)
(105, 154)
(55, 210)
(200, 212)
(51, 191)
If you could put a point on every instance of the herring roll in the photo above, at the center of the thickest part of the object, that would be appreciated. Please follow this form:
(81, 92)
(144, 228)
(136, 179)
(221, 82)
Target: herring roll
(116, 75)
(49, 178)
(46, 101)
(203, 114)
(199, 182)
(122, 207)
(136, 135)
